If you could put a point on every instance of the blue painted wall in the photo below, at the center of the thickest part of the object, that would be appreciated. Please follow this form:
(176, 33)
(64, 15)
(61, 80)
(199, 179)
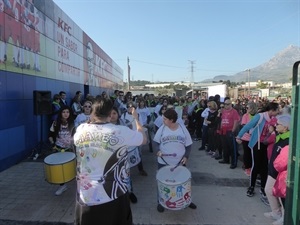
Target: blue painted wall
(20, 129)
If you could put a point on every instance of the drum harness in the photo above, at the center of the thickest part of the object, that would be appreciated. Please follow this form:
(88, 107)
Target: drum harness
(59, 149)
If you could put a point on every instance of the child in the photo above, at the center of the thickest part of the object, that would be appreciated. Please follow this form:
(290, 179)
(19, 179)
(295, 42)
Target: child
(270, 140)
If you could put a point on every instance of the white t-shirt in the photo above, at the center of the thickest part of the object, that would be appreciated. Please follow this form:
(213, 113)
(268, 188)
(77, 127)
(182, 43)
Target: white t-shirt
(172, 142)
(128, 120)
(81, 118)
(158, 121)
(143, 114)
(102, 165)
(157, 108)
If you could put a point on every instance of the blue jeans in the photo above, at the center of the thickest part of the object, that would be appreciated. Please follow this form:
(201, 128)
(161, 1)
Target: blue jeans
(204, 135)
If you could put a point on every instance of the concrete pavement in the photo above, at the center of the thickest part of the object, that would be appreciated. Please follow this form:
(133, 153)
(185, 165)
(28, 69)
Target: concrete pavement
(218, 191)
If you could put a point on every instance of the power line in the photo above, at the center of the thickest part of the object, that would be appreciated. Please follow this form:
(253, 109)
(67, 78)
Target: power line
(181, 67)
(158, 64)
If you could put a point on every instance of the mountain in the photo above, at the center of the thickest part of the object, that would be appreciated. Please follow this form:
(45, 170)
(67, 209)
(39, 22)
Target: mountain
(278, 68)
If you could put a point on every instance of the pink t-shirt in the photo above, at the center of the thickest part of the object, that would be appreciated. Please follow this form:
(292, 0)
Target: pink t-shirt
(245, 119)
(228, 118)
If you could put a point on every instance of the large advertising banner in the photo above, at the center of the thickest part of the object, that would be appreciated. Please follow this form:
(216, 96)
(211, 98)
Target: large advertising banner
(22, 42)
(97, 65)
(68, 49)
(38, 38)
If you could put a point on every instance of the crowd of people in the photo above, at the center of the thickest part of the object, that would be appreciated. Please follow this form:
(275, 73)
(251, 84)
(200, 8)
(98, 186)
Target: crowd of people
(108, 126)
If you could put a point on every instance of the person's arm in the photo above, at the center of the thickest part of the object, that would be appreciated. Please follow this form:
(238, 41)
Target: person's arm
(51, 135)
(204, 114)
(252, 123)
(139, 127)
(155, 145)
(187, 154)
(235, 125)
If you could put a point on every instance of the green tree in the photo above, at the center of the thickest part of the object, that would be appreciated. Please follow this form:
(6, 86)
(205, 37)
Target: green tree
(262, 85)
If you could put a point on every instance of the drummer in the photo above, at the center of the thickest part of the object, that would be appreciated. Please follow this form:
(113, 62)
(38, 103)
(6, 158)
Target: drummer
(101, 149)
(172, 139)
(61, 136)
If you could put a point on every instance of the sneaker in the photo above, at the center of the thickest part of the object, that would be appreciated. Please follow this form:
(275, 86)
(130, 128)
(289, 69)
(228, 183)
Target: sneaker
(278, 222)
(263, 197)
(233, 166)
(272, 215)
(196, 139)
(265, 200)
(132, 198)
(215, 154)
(224, 162)
(248, 172)
(61, 190)
(160, 208)
(262, 192)
(210, 152)
(201, 148)
(143, 173)
(218, 157)
(250, 191)
(192, 206)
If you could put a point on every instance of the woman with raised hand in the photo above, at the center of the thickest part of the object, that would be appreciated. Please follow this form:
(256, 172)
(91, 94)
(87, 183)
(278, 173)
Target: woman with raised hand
(101, 147)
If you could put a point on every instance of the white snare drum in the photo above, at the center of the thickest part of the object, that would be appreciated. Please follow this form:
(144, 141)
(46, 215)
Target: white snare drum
(60, 167)
(133, 157)
(174, 187)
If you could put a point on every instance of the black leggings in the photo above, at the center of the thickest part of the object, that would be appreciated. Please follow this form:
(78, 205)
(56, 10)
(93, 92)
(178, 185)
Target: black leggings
(115, 212)
(247, 157)
(259, 165)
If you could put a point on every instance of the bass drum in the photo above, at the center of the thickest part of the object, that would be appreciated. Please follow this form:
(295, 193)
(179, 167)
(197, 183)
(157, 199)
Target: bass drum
(174, 187)
(60, 167)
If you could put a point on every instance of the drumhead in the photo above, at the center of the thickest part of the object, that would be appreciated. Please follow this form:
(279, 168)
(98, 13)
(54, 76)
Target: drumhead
(178, 176)
(59, 158)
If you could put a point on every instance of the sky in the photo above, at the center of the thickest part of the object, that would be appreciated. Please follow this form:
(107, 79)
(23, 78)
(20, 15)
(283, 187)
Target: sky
(187, 40)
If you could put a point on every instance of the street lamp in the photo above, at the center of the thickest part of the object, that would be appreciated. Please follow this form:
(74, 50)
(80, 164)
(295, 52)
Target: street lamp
(248, 70)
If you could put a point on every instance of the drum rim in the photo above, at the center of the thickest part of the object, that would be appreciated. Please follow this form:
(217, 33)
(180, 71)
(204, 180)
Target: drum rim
(176, 183)
(62, 163)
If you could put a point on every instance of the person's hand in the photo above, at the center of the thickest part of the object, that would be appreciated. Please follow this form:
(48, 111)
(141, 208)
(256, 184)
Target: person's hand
(238, 140)
(134, 113)
(159, 153)
(184, 160)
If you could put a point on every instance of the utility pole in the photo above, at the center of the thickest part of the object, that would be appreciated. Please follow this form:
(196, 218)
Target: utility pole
(128, 73)
(192, 62)
(248, 70)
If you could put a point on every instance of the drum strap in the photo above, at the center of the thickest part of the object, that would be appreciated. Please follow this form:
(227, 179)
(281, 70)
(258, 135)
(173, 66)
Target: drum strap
(160, 140)
(168, 164)
(59, 149)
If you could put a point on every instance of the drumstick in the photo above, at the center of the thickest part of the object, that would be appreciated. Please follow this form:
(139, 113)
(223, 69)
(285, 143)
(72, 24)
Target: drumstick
(173, 154)
(173, 168)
